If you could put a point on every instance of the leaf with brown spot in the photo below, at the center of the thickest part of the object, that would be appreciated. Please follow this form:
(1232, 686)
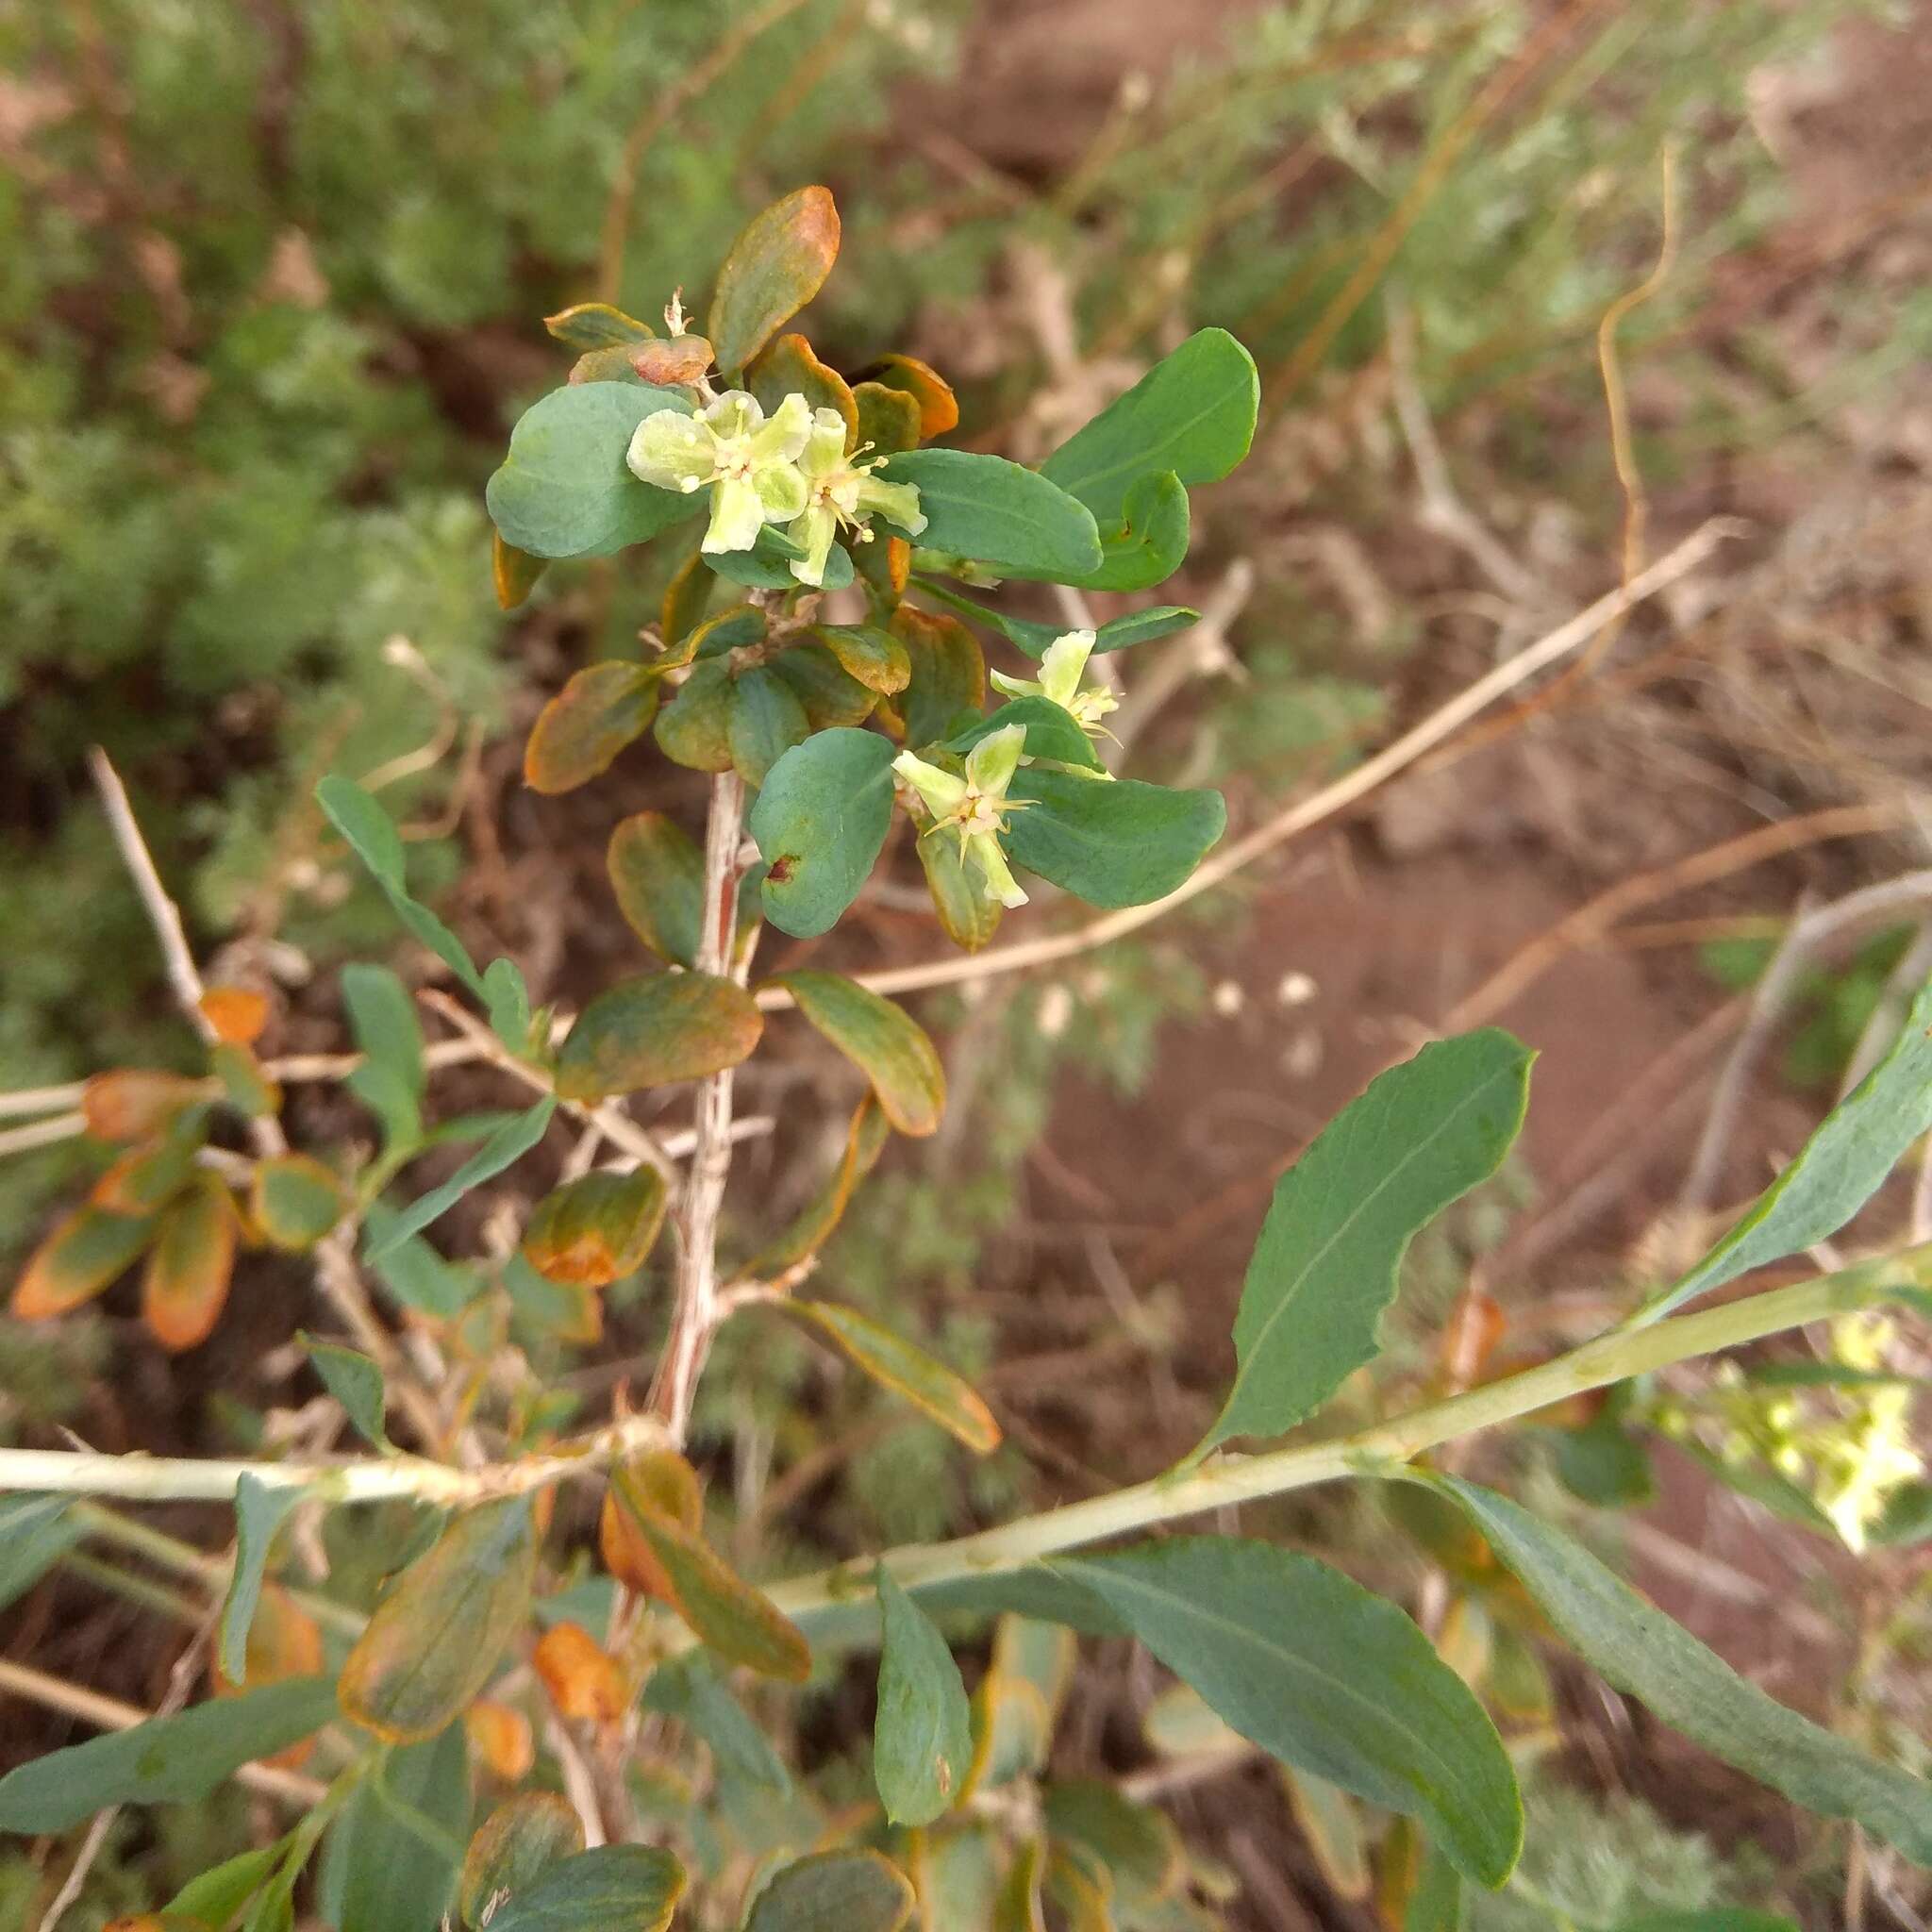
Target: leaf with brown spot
(948, 1398)
(657, 873)
(587, 325)
(77, 1261)
(583, 1680)
(295, 1200)
(237, 1013)
(577, 734)
(597, 1228)
(513, 572)
(789, 367)
(888, 419)
(185, 1284)
(435, 1638)
(774, 268)
(519, 1840)
(665, 1483)
(656, 1032)
(938, 408)
(134, 1104)
(865, 1141)
(723, 1611)
(502, 1741)
(882, 1040)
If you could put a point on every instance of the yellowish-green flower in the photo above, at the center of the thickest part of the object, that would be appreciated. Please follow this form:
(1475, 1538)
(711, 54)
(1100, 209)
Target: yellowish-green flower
(973, 809)
(748, 463)
(1060, 671)
(841, 492)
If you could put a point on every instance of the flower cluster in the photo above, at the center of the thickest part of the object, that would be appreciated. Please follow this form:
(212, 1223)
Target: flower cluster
(790, 469)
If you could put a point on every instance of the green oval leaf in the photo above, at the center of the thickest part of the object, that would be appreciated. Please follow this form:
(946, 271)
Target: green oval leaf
(296, 1200)
(948, 1398)
(1116, 634)
(888, 418)
(655, 1031)
(597, 1228)
(657, 873)
(1325, 1676)
(693, 729)
(607, 1888)
(564, 489)
(767, 719)
(985, 507)
(512, 1847)
(576, 735)
(820, 821)
(882, 1040)
(393, 1852)
(1193, 413)
(1324, 1269)
(1148, 541)
(1646, 1655)
(435, 1638)
(921, 1739)
(1111, 844)
(167, 1760)
(833, 1892)
(1052, 732)
(775, 266)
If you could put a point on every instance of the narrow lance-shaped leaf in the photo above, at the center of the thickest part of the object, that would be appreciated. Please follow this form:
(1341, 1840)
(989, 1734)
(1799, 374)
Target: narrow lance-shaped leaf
(688, 1689)
(587, 325)
(392, 1080)
(819, 820)
(921, 1739)
(906, 1370)
(1645, 1653)
(436, 1637)
(1324, 1269)
(167, 1760)
(506, 1146)
(882, 1040)
(1325, 1675)
(1839, 1169)
(260, 1510)
(655, 1030)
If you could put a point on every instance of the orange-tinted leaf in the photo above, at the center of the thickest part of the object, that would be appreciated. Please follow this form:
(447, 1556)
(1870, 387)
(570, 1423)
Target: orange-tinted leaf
(435, 1638)
(723, 1611)
(236, 1014)
(185, 1281)
(882, 1040)
(774, 268)
(504, 1745)
(686, 598)
(513, 572)
(587, 325)
(244, 1086)
(865, 1139)
(132, 1104)
(521, 1837)
(603, 709)
(694, 727)
(929, 1385)
(597, 1228)
(869, 653)
(583, 1680)
(675, 363)
(157, 1921)
(1081, 1887)
(948, 674)
(657, 873)
(1018, 1907)
(888, 419)
(830, 694)
(295, 1200)
(147, 1177)
(661, 1483)
(938, 408)
(968, 914)
(77, 1261)
(789, 367)
(655, 1031)
(284, 1643)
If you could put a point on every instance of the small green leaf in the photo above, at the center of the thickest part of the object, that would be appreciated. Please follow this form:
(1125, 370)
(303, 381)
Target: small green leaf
(1148, 541)
(1052, 733)
(1837, 1171)
(587, 325)
(392, 1080)
(921, 1739)
(909, 1372)
(1714, 1918)
(820, 821)
(882, 1040)
(506, 1146)
(968, 914)
(1327, 1677)
(833, 1892)
(688, 1689)
(597, 1228)
(260, 1510)
(411, 1270)
(356, 1382)
(1111, 844)
(655, 1031)
(1644, 1654)
(775, 266)
(694, 729)
(374, 841)
(607, 1888)
(166, 1760)
(657, 873)
(603, 709)
(435, 1638)
(1604, 1464)
(986, 509)
(938, 408)
(564, 489)
(1193, 413)
(767, 719)
(35, 1533)
(1324, 1269)
(521, 1839)
(296, 1200)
